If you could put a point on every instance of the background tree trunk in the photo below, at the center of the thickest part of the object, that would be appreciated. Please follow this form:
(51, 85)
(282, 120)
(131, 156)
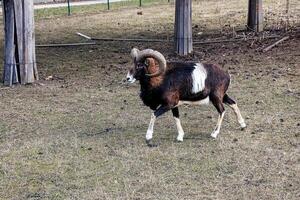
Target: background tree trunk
(183, 27)
(10, 75)
(255, 16)
(19, 56)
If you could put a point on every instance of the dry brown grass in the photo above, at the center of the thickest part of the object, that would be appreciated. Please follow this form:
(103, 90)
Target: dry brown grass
(81, 135)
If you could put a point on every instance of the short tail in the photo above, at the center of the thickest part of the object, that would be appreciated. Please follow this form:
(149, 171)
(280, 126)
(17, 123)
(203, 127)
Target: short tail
(227, 100)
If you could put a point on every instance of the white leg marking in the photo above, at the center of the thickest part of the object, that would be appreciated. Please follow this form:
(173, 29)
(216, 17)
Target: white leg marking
(179, 129)
(199, 75)
(238, 115)
(149, 133)
(218, 126)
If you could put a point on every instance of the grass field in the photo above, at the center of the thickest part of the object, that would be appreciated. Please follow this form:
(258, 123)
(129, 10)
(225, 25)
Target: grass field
(81, 133)
(96, 8)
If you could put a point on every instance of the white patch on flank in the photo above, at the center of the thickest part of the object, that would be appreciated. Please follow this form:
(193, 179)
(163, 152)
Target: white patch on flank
(149, 133)
(200, 102)
(130, 78)
(199, 75)
(179, 129)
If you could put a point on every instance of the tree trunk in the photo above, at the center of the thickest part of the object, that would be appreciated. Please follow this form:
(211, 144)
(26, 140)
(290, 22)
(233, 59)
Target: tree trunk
(255, 16)
(183, 27)
(10, 75)
(287, 6)
(20, 60)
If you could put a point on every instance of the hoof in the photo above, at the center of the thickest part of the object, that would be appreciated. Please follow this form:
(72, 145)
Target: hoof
(214, 135)
(243, 126)
(179, 139)
(150, 144)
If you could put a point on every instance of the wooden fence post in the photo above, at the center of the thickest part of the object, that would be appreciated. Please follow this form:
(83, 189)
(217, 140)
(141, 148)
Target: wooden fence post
(19, 57)
(183, 27)
(255, 16)
(69, 8)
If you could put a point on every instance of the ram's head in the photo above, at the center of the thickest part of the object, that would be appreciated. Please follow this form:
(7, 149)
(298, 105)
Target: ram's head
(144, 64)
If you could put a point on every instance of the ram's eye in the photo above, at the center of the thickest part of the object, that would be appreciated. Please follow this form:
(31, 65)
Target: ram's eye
(146, 63)
(139, 66)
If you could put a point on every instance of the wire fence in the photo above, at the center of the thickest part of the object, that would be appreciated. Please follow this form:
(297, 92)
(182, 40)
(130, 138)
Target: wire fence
(125, 3)
(106, 4)
(231, 14)
(280, 12)
(69, 7)
(277, 13)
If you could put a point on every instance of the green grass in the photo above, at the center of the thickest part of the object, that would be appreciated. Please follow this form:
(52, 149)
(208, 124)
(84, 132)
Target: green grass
(92, 9)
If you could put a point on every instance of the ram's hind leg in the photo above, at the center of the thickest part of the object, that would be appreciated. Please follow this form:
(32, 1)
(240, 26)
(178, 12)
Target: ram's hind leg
(232, 104)
(217, 102)
(175, 112)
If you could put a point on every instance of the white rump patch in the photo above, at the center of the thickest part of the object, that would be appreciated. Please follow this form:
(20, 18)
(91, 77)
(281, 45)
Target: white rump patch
(199, 75)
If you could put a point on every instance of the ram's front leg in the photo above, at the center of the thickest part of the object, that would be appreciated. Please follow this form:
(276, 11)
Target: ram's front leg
(149, 135)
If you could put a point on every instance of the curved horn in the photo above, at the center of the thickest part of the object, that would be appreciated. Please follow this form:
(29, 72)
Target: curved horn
(134, 53)
(162, 63)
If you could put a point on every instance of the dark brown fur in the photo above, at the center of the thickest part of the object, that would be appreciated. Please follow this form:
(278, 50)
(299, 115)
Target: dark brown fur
(163, 92)
(151, 69)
